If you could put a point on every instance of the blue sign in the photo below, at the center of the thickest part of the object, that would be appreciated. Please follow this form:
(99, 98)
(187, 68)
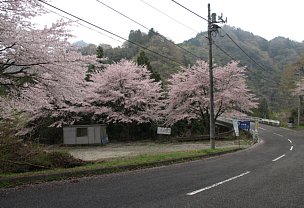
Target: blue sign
(245, 125)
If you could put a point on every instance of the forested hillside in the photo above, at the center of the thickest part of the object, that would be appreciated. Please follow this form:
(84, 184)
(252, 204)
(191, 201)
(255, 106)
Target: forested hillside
(272, 60)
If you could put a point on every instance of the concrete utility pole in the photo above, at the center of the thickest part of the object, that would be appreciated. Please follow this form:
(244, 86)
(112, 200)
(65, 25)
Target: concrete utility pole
(299, 102)
(212, 27)
(212, 122)
(299, 110)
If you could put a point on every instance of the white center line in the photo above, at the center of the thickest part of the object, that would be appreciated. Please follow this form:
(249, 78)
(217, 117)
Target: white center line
(217, 184)
(291, 148)
(278, 134)
(278, 158)
(290, 141)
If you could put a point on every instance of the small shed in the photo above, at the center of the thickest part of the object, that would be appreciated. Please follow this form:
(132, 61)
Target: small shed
(85, 134)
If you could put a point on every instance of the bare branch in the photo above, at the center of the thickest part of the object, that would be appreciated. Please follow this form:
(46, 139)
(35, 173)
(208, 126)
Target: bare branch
(8, 47)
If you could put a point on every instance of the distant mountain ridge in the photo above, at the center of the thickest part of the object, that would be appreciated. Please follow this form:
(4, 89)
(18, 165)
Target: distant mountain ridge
(80, 44)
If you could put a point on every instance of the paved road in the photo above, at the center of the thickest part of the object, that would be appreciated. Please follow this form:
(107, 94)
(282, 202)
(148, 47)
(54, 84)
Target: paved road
(269, 175)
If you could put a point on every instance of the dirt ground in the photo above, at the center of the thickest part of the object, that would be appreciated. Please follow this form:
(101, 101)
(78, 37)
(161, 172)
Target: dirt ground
(113, 150)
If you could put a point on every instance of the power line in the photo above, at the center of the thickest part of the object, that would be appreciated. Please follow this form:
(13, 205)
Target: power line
(244, 51)
(83, 25)
(156, 33)
(230, 56)
(169, 16)
(269, 80)
(107, 31)
(225, 52)
(190, 10)
(121, 14)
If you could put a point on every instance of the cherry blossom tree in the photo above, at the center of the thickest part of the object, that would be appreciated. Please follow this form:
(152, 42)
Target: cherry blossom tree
(188, 96)
(44, 72)
(59, 94)
(124, 93)
(25, 50)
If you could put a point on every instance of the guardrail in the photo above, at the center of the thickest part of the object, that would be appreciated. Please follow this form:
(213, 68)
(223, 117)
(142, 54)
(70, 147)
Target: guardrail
(253, 119)
(270, 122)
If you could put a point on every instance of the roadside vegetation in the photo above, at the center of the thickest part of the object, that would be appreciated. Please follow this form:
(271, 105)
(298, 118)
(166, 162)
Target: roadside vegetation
(28, 163)
(115, 165)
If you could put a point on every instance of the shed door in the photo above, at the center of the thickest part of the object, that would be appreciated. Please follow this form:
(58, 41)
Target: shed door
(82, 135)
(97, 135)
(91, 135)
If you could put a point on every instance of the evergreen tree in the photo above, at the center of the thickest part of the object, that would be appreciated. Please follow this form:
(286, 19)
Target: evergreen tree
(263, 109)
(143, 60)
(92, 68)
(99, 52)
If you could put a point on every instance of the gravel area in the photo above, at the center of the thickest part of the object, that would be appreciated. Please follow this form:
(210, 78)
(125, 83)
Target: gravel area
(113, 150)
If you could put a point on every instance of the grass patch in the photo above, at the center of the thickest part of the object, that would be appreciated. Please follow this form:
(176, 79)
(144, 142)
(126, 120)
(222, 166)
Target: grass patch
(109, 166)
(299, 127)
(151, 158)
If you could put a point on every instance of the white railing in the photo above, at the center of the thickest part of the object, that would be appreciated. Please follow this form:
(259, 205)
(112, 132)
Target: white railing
(252, 119)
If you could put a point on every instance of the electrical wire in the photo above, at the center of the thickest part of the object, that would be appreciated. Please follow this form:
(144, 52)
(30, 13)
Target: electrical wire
(156, 33)
(244, 51)
(268, 80)
(49, 10)
(122, 14)
(107, 31)
(193, 30)
(230, 56)
(225, 52)
(190, 10)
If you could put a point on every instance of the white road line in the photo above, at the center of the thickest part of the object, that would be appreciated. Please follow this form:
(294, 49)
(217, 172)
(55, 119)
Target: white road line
(262, 128)
(278, 158)
(278, 134)
(290, 141)
(217, 184)
(291, 148)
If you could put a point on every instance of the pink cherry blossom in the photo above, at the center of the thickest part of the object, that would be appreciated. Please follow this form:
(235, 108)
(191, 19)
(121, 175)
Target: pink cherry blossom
(125, 93)
(57, 70)
(188, 96)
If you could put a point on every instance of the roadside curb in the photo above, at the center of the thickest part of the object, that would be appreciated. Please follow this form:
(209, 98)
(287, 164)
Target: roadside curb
(24, 180)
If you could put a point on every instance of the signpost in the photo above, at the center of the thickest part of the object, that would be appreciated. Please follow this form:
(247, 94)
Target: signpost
(235, 127)
(162, 130)
(245, 125)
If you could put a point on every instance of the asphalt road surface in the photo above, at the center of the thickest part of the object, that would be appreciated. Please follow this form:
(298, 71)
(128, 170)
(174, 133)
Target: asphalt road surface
(270, 174)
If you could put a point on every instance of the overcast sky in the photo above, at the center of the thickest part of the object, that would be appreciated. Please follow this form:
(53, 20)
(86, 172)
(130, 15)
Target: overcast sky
(268, 19)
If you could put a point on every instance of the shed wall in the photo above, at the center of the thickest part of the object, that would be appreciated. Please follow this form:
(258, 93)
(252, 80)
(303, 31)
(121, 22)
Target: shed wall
(97, 134)
(69, 135)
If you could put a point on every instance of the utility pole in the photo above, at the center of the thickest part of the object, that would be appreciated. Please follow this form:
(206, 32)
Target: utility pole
(212, 27)
(299, 99)
(299, 110)
(299, 102)
(212, 122)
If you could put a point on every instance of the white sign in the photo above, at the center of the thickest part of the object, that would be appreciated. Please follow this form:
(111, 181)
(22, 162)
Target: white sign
(162, 130)
(236, 127)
